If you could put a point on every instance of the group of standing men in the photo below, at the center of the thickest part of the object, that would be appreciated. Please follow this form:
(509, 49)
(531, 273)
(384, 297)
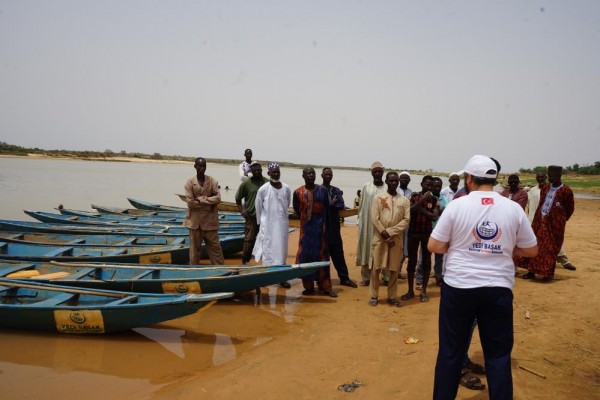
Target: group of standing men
(481, 236)
(395, 223)
(265, 205)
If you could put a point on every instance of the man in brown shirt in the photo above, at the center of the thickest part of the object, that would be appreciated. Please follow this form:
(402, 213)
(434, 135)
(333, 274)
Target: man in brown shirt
(514, 192)
(202, 217)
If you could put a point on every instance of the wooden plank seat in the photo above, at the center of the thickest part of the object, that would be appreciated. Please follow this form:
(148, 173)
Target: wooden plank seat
(14, 268)
(143, 274)
(126, 242)
(124, 300)
(79, 274)
(56, 300)
(59, 251)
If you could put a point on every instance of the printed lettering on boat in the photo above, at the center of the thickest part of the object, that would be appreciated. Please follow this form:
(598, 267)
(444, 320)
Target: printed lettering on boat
(80, 321)
(181, 288)
(162, 258)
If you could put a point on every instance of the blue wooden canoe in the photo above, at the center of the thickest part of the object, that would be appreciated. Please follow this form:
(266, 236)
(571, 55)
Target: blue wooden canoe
(154, 224)
(176, 254)
(30, 226)
(43, 307)
(162, 278)
(172, 219)
(230, 244)
(113, 239)
(146, 205)
(135, 211)
(157, 219)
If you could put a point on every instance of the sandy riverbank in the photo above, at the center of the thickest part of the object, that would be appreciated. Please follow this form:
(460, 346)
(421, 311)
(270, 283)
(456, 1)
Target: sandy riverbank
(334, 341)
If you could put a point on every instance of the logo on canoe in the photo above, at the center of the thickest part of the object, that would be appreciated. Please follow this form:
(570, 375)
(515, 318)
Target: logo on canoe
(181, 288)
(77, 317)
(155, 259)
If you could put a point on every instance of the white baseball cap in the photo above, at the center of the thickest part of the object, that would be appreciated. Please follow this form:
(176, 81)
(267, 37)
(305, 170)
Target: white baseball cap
(481, 167)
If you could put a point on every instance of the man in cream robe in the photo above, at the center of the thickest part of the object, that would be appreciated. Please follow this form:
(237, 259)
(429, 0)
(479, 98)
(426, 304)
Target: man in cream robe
(390, 216)
(365, 227)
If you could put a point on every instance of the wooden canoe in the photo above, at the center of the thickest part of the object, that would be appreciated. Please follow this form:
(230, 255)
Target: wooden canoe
(146, 205)
(53, 308)
(162, 278)
(174, 219)
(225, 226)
(176, 254)
(134, 211)
(29, 226)
(230, 244)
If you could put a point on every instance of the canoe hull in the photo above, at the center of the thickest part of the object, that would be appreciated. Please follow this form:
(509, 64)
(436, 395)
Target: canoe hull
(230, 244)
(53, 308)
(92, 321)
(166, 278)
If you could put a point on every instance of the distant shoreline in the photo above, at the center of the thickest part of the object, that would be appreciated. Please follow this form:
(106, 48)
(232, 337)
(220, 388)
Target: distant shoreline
(593, 191)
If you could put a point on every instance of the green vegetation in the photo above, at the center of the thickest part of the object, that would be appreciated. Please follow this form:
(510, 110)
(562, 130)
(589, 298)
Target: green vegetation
(593, 169)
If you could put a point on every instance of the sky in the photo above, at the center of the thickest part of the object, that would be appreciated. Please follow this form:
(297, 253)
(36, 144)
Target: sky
(420, 85)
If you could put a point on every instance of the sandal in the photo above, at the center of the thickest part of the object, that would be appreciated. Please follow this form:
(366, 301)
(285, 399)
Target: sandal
(470, 381)
(309, 292)
(569, 266)
(475, 368)
(407, 296)
(373, 302)
(424, 297)
(394, 302)
(529, 275)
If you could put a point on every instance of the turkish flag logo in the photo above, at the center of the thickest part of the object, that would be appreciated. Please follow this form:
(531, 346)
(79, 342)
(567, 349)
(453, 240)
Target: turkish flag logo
(487, 201)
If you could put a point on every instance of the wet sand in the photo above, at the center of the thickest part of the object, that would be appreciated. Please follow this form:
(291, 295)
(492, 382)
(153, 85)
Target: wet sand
(282, 345)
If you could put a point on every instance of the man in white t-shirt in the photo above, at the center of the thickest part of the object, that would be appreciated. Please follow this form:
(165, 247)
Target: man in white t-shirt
(480, 233)
(449, 191)
(244, 168)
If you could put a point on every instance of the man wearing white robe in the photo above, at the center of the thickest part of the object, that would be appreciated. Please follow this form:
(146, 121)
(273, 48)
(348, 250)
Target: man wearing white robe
(365, 226)
(272, 202)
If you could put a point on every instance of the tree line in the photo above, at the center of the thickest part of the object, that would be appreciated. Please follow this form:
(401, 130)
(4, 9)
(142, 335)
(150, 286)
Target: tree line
(593, 169)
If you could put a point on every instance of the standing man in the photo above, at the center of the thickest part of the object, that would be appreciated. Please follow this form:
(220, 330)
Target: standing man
(551, 216)
(244, 168)
(533, 197)
(480, 233)
(334, 237)
(405, 191)
(202, 217)
(311, 204)
(247, 192)
(365, 226)
(424, 209)
(514, 192)
(438, 259)
(532, 205)
(271, 205)
(450, 191)
(357, 199)
(390, 213)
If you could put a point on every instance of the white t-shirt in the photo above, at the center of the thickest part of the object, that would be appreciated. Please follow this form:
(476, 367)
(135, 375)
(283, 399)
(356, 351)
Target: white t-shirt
(482, 230)
(448, 193)
(244, 170)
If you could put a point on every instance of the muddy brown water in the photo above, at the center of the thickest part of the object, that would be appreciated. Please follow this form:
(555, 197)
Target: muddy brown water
(138, 362)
